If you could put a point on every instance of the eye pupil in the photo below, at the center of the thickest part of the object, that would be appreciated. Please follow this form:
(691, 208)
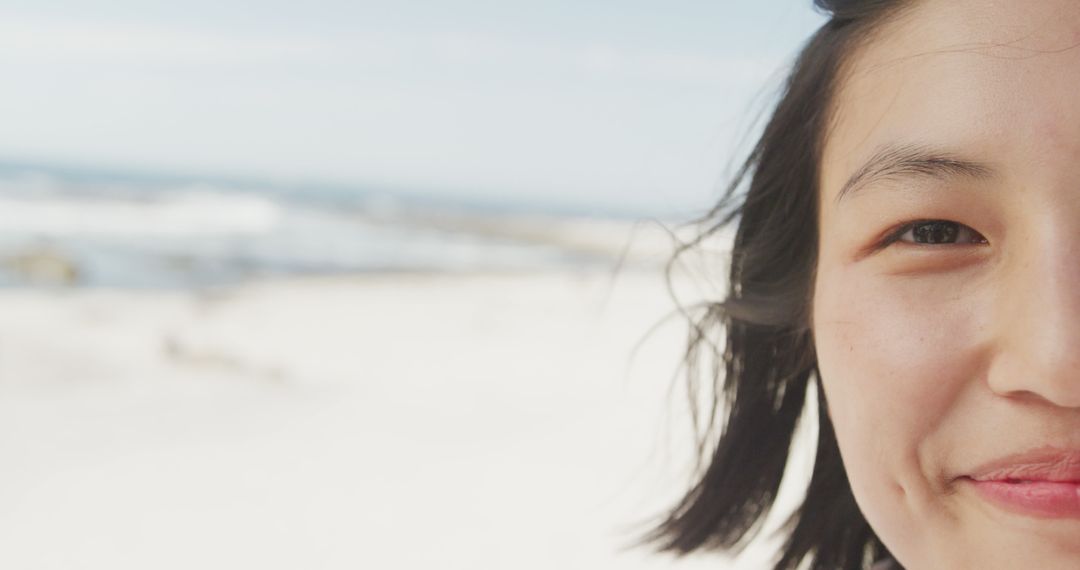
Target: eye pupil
(935, 232)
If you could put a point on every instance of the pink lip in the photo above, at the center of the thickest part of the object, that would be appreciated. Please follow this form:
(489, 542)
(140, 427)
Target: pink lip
(1041, 483)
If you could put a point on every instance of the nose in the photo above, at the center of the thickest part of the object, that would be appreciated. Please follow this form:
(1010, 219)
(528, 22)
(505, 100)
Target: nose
(1041, 297)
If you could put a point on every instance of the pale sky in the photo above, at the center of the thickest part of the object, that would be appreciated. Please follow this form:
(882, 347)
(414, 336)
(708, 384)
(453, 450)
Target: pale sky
(613, 103)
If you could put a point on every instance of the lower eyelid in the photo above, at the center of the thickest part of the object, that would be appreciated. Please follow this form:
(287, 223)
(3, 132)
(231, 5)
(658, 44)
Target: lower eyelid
(922, 261)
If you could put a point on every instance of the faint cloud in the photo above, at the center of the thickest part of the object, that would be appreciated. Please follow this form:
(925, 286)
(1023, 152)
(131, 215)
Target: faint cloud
(28, 41)
(24, 41)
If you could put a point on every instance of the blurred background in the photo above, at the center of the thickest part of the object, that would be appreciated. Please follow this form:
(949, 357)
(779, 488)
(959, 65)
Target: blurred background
(359, 284)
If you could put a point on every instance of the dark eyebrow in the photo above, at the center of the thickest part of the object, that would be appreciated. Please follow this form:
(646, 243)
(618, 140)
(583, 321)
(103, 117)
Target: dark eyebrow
(913, 160)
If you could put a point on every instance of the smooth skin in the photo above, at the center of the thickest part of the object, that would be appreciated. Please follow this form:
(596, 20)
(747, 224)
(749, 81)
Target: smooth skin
(946, 349)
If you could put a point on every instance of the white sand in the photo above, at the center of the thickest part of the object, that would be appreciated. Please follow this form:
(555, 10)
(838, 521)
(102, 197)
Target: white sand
(433, 422)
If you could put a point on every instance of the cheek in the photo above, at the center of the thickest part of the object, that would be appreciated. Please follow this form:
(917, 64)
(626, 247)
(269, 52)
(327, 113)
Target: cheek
(884, 350)
(895, 356)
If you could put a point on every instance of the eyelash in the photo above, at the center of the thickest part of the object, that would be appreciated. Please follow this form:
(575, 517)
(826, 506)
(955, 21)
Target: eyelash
(895, 235)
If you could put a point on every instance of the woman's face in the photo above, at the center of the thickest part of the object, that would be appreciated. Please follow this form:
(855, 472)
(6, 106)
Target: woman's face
(949, 350)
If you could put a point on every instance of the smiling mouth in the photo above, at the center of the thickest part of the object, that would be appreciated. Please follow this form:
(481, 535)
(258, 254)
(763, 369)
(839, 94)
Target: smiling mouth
(1042, 483)
(1044, 499)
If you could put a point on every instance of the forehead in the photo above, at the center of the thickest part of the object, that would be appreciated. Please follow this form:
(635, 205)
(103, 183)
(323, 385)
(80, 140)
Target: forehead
(996, 80)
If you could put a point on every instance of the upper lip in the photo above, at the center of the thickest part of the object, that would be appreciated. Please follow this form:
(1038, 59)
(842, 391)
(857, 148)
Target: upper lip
(1046, 464)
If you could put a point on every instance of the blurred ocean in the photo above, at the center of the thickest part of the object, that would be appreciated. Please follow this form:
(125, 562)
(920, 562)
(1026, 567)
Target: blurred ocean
(70, 227)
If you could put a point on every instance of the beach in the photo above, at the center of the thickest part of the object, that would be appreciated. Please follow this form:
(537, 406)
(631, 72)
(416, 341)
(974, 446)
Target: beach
(204, 376)
(485, 420)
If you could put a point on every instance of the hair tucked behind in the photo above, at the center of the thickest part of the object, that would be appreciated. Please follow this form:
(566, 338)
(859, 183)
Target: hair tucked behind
(762, 375)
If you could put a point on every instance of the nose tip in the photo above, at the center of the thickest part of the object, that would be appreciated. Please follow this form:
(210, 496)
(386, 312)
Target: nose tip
(1043, 335)
(1047, 366)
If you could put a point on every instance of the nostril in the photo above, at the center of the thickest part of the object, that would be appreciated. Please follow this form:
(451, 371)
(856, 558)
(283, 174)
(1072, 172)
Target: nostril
(1045, 395)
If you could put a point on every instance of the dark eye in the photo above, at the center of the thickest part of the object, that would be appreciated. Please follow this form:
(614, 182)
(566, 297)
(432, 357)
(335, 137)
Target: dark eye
(927, 232)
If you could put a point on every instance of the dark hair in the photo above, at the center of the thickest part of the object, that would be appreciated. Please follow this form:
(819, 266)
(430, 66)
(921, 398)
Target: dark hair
(762, 375)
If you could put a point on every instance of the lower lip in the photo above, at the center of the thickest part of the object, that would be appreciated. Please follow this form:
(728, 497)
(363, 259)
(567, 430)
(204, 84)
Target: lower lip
(1045, 499)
